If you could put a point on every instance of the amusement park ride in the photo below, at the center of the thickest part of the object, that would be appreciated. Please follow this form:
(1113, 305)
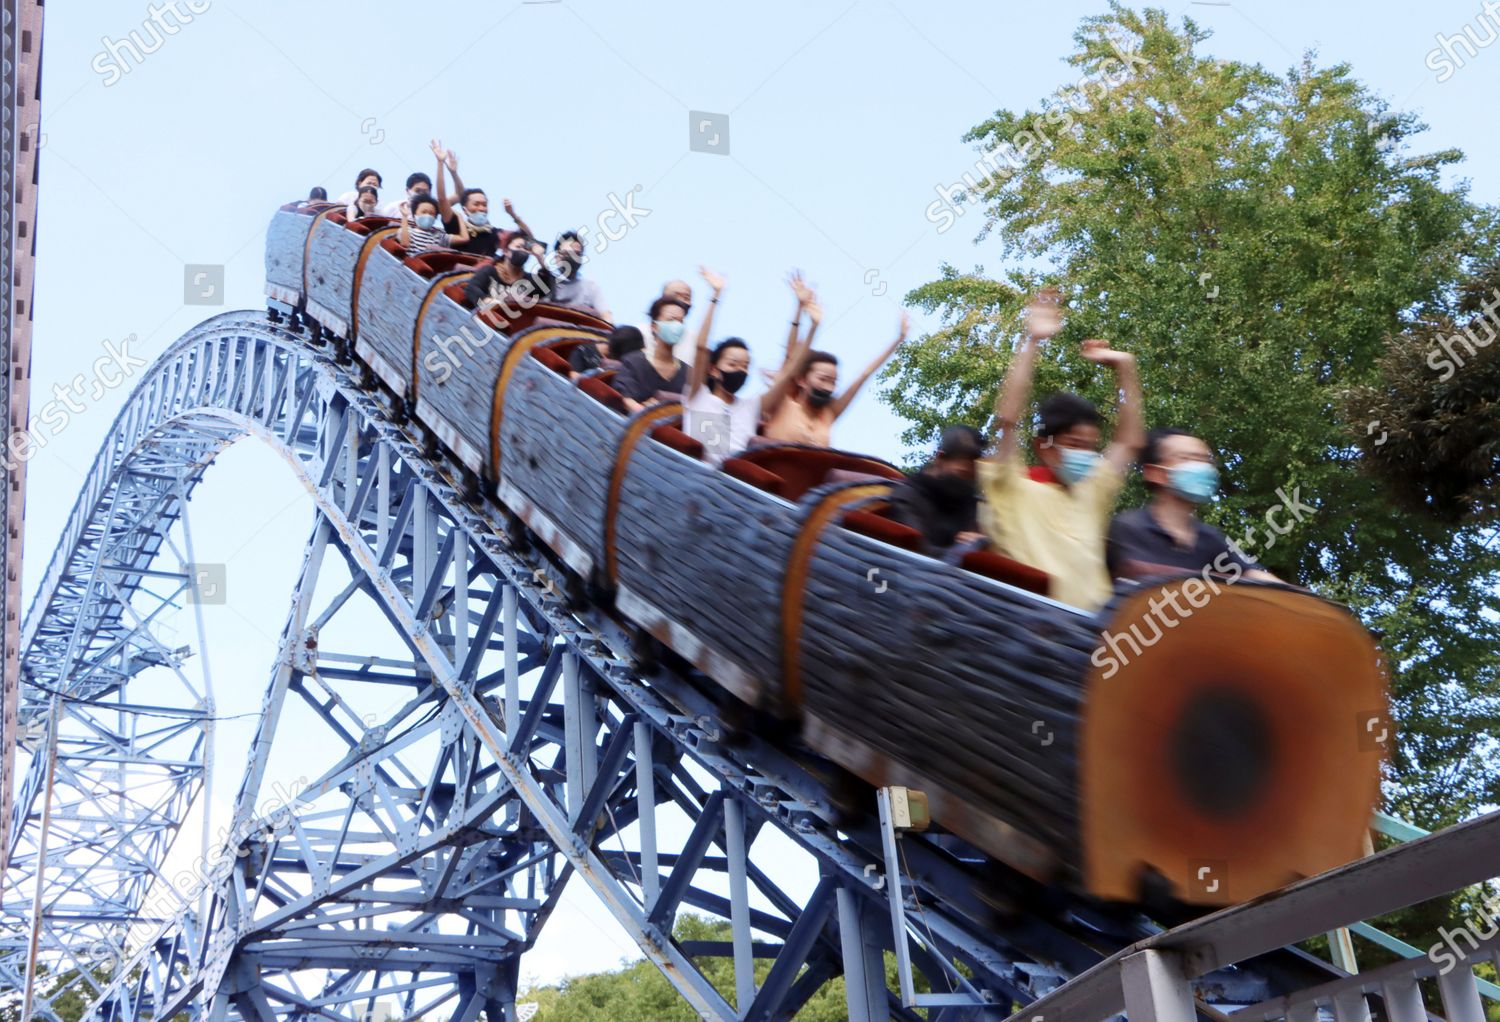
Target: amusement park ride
(569, 657)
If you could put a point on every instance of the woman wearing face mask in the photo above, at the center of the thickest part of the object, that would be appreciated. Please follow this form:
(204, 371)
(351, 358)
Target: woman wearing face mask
(714, 412)
(643, 373)
(366, 202)
(807, 416)
(420, 231)
(504, 287)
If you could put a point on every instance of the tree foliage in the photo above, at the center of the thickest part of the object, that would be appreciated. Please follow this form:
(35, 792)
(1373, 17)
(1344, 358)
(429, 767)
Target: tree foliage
(1258, 240)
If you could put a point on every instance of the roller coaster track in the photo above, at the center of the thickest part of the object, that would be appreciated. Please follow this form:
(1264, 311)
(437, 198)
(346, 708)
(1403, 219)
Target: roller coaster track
(433, 834)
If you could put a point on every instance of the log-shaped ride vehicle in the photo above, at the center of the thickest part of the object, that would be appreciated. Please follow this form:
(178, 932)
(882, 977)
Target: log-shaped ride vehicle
(1211, 755)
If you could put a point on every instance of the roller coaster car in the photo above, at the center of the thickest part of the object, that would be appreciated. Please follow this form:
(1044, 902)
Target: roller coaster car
(1212, 757)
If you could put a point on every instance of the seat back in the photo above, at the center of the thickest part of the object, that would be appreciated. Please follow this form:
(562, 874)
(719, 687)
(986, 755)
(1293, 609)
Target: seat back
(801, 468)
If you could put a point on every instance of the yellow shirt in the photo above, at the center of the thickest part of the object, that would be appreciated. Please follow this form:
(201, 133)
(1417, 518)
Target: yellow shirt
(1060, 530)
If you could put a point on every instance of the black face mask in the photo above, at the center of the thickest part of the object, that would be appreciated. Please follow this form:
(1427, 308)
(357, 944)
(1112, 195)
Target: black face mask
(949, 491)
(517, 257)
(572, 261)
(731, 383)
(818, 397)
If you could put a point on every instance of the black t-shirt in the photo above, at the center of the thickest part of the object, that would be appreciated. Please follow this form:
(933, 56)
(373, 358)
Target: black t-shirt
(485, 242)
(639, 380)
(940, 507)
(1135, 536)
(585, 357)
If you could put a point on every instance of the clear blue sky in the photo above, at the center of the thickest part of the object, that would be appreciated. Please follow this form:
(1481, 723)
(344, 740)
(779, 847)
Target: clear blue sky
(843, 118)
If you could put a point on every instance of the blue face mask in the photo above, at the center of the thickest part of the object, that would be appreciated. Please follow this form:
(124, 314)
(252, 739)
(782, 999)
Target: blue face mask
(425, 221)
(478, 219)
(669, 332)
(1196, 481)
(1075, 465)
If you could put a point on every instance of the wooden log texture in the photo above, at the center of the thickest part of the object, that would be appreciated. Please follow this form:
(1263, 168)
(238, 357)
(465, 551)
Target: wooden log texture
(458, 364)
(390, 296)
(330, 273)
(558, 448)
(709, 552)
(286, 240)
(955, 679)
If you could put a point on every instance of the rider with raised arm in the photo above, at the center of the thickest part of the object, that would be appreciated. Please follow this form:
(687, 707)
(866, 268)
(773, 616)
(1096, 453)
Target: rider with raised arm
(1059, 526)
(808, 414)
(714, 413)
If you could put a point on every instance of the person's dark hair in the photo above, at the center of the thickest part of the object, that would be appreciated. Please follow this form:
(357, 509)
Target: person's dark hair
(566, 236)
(1151, 452)
(463, 198)
(418, 178)
(425, 200)
(379, 181)
(1062, 411)
(625, 339)
(726, 345)
(961, 443)
(662, 303)
(813, 358)
(373, 191)
(318, 194)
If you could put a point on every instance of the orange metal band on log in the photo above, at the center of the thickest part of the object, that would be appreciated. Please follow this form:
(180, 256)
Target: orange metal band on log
(439, 282)
(374, 239)
(513, 355)
(307, 247)
(1226, 763)
(793, 589)
(633, 436)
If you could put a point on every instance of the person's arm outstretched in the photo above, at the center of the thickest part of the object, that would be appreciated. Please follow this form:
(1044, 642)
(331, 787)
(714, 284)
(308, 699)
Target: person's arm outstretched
(699, 372)
(845, 399)
(1130, 430)
(521, 225)
(445, 205)
(1043, 321)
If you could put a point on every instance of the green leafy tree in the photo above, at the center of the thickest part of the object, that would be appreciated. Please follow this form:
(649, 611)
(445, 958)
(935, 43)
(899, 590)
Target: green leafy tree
(1256, 239)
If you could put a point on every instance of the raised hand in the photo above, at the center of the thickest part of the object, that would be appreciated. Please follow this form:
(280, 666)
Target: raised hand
(1044, 315)
(508, 207)
(714, 280)
(905, 326)
(437, 150)
(450, 160)
(805, 296)
(815, 311)
(1099, 351)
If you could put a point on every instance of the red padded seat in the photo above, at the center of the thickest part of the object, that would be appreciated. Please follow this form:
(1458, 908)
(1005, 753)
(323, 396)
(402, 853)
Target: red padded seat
(749, 472)
(370, 224)
(867, 523)
(602, 392)
(552, 360)
(678, 440)
(802, 468)
(998, 566)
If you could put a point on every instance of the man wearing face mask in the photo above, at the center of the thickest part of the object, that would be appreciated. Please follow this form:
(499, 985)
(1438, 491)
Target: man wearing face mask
(942, 501)
(714, 413)
(503, 286)
(1059, 525)
(1165, 536)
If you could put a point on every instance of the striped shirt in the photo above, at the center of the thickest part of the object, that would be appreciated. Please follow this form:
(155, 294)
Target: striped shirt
(426, 239)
